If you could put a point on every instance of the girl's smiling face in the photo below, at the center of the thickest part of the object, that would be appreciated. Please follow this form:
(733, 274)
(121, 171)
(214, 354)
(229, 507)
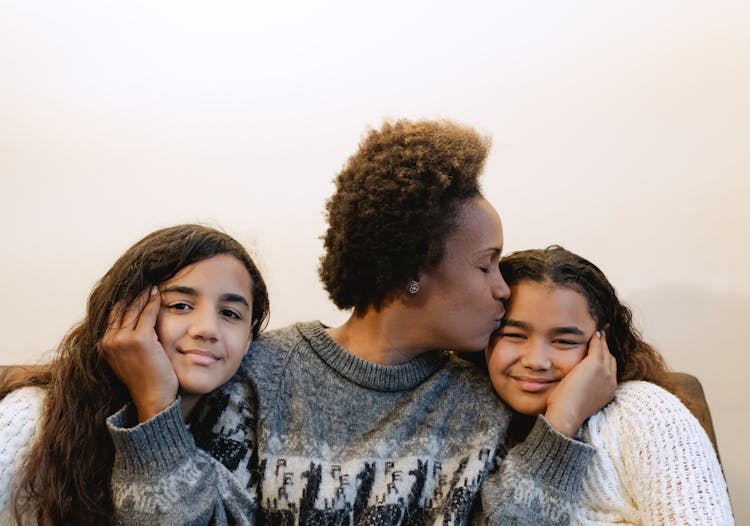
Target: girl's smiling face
(545, 333)
(205, 323)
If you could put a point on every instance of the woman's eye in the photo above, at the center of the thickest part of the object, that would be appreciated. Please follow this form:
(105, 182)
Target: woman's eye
(180, 306)
(486, 270)
(512, 335)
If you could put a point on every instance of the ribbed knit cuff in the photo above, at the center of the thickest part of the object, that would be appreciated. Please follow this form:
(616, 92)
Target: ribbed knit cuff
(163, 440)
(558, 460)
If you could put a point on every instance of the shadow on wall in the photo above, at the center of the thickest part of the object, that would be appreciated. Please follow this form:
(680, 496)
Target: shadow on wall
(706, 333)
(701, 332)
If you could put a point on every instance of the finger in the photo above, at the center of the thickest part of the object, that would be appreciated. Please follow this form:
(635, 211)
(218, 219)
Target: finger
(133, 312)
(612, 364)
(609, 359)
(114, 320)
(595, 346)
(605, 347)
(147, 319)
(606, 353)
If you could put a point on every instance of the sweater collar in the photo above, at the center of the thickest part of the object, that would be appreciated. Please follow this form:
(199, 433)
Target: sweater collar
(371, 375)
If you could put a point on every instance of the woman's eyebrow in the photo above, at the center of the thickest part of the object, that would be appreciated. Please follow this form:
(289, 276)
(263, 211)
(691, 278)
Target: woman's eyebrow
(493, 251)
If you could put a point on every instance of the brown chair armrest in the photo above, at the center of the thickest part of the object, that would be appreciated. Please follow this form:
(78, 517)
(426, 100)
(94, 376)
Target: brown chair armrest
(691, 387)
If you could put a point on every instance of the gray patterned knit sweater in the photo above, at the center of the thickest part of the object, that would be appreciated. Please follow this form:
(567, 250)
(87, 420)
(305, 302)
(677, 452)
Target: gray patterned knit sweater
(307, 433)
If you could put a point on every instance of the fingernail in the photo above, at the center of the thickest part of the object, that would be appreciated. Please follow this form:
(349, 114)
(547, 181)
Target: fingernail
(154, 289)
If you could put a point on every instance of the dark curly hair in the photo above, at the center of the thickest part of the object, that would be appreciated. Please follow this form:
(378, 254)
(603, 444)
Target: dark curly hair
(396, 201)
(636, 359)
(67, 474)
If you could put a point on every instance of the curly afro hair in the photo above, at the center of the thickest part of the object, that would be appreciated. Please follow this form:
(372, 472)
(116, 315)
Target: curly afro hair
(396, 201)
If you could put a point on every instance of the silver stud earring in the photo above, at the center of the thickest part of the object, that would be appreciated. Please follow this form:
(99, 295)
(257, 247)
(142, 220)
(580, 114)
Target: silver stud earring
(413, 287)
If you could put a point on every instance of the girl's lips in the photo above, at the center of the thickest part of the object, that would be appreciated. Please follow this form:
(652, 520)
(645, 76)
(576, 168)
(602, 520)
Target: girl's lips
(200, 357)
(533, 385)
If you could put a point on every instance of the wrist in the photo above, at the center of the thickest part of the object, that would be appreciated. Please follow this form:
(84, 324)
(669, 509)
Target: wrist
(147, 409)
(562, 422)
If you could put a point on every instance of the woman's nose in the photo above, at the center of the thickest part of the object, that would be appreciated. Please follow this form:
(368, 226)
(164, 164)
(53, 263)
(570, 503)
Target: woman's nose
(500, 289)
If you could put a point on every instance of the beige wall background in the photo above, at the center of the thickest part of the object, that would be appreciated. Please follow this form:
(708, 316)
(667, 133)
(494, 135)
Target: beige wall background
(620, 131)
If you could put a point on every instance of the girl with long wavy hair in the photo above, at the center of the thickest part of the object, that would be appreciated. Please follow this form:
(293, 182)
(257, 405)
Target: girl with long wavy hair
(206, 301)
(654, 464)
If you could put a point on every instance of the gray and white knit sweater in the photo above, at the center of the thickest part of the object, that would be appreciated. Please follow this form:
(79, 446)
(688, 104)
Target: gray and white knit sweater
(307, 433)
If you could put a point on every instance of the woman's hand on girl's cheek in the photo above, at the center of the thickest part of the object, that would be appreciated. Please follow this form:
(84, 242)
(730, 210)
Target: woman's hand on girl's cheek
(587, 388)
(131, 347)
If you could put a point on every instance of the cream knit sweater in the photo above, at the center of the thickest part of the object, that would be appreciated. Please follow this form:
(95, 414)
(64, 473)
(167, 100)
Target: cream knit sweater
(20, 414)
(654, 464)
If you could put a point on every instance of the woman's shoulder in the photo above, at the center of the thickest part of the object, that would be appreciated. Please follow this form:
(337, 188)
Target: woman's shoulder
(276, 341)
(471, 383)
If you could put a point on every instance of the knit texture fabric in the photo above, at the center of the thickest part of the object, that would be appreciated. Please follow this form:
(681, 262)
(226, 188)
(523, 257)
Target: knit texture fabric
(20, 414)
(316, 435)
(654, 464)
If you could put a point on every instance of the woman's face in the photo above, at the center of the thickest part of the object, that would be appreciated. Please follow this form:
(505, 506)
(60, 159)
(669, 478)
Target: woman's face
(461, 300)
(545, 333)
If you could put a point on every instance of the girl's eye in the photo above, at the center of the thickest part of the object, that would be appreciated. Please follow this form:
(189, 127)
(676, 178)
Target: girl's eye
(229, 313)
(565, 343)
(512, 335)
(180, 306)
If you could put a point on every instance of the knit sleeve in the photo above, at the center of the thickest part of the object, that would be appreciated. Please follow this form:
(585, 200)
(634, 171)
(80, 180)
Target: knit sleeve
(670, 466)
(539, 481)
(160, 476)
(20, 413)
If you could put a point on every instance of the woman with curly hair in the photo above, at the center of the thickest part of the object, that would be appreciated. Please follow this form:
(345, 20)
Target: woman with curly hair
(376, 421)
(205, 300)
(654, 464)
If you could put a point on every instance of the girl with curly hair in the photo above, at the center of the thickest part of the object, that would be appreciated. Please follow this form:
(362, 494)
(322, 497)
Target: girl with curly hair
(654, 463)
(375, 421)
(205, 301)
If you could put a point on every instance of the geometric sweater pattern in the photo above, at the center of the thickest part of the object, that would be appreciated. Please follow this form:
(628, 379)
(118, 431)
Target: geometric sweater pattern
(308, 433)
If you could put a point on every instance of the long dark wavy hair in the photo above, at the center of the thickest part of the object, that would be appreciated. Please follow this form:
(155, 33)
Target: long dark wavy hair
(636, 359)
(66, 478)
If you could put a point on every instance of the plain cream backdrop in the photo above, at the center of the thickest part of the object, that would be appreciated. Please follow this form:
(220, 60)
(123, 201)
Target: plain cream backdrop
(621, 130)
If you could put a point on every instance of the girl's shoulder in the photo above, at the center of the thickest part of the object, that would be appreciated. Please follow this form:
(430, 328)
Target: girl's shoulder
(26, 402)
(641, 406)
(640, 391)
(20, 414)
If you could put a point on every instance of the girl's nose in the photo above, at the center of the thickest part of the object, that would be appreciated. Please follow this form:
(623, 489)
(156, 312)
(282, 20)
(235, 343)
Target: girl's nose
(536, 356)
(203, 325)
